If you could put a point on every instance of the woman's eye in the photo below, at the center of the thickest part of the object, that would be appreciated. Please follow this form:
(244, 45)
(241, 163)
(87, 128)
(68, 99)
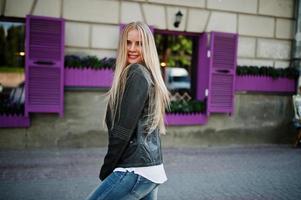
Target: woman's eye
(138, 44)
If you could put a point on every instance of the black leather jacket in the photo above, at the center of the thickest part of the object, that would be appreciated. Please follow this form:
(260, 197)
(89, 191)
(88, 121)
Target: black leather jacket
(129, 143)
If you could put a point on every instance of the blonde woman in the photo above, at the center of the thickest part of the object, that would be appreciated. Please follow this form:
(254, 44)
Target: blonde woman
(133, 166)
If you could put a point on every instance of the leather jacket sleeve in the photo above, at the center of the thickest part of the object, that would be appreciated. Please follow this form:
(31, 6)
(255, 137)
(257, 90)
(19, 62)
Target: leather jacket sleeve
(130, 109)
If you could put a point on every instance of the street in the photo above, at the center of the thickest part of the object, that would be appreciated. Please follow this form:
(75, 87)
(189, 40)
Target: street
(217, 173)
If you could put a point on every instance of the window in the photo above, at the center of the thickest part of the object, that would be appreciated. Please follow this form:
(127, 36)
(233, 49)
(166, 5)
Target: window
(178, 57)
(12, 55)
(12, 63)
(198, 68)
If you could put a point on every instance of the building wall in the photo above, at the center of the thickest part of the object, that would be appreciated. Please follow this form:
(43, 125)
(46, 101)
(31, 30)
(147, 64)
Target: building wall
(265, 29)
(258, 119)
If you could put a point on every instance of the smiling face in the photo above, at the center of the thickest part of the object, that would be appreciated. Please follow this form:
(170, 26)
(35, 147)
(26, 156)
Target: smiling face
(134, 47)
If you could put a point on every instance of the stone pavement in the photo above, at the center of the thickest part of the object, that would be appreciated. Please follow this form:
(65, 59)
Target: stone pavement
(218, 173)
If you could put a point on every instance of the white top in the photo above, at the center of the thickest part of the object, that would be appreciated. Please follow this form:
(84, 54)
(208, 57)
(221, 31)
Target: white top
(155, 173)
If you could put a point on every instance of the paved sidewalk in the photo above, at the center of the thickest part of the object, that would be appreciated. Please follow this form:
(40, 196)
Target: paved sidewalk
(223, 173)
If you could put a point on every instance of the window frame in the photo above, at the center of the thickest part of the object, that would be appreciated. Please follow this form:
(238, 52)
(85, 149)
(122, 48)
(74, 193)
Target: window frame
(194, 79)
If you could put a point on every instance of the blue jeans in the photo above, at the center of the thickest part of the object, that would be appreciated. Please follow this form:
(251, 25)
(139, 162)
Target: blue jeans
(125, 186)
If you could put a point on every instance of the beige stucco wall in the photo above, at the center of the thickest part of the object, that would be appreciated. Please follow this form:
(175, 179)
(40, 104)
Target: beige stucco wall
(92, 26)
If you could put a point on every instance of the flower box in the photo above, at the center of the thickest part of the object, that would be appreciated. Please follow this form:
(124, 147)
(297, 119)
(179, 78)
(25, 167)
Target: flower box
(264, 84)
(185, 119)
(14, 121)
(88, 77)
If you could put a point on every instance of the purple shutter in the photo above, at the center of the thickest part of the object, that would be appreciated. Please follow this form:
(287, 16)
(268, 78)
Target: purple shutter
(44, 65)
(222, 72)
(202, 68)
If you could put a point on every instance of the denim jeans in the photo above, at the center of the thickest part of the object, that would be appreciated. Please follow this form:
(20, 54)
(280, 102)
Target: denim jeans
(125, 186)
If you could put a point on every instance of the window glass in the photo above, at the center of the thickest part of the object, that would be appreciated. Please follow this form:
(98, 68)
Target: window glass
(12, 46)
(176, 53)
(12, 64)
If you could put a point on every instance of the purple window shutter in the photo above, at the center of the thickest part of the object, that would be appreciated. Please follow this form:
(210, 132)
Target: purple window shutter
(222, 72)
(44, 64)
(202, 68)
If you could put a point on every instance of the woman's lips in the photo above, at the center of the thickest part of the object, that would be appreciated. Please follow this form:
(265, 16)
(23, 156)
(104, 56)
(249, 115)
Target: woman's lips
(133, 56)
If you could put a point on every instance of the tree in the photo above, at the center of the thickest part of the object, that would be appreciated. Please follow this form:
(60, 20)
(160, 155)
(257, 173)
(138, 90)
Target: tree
(2, 46)
(175, 50)
(14, 45)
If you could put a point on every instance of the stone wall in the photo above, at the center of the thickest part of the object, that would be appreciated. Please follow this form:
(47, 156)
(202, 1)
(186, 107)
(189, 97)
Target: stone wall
(258, 119)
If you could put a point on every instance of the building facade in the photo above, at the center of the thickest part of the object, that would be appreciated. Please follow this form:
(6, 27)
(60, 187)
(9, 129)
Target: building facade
(265, 31)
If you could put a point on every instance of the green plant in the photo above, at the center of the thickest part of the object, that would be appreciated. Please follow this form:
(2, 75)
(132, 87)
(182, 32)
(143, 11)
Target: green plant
(175, 50)
(289, 72)
(11, 109)
(19, 70)
(92, 62)
(109, 62)
(11, 44)
(192, 106)
(72, 61)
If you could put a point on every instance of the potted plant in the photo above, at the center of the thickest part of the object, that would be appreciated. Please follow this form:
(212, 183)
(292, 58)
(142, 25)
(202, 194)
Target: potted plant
(266, 79)
(13, 117)
(186, 113)
(89, 71)
(12, 108)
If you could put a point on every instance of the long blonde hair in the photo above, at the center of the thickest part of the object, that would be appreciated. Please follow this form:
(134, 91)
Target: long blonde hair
(160, 99)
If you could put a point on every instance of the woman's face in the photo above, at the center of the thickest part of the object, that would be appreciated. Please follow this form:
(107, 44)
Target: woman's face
(134, 47)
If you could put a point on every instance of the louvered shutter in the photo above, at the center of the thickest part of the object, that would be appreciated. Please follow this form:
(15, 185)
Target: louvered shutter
(222, 71)
(44, 64)
(202, 77)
